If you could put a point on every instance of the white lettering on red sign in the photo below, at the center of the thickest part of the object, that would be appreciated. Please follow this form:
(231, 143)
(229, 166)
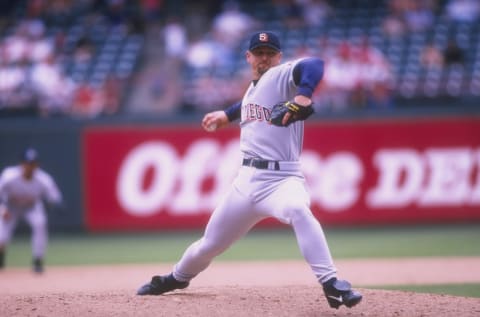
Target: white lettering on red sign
(333, 181)
(177, 182)
(400, 176)
(434, 177)
(437, 177)
(204, 159)
(449, 181)
(132, 197)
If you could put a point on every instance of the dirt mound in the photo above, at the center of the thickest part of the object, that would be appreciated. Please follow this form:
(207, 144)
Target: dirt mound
(237, 289)
(290, 300)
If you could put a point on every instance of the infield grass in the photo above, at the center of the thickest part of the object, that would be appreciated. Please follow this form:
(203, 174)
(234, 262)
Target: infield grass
(363, 242)
(465, 290)
(366, 242)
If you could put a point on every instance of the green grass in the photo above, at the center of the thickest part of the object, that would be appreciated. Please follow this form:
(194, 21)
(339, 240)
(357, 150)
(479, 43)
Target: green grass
(388, 242)
(265, 245)
(466, 290)
(373, 242)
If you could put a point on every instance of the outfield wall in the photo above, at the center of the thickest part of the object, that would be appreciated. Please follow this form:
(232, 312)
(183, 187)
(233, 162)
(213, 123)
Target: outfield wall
(58, 143)
(119, 175)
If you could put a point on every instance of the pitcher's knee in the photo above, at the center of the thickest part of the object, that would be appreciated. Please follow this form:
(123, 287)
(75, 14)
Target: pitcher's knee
(295, 212)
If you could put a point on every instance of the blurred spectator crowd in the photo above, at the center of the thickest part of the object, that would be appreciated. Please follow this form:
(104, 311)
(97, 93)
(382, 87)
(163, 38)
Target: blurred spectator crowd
(82, 57)
(378, 54)
(65, 57)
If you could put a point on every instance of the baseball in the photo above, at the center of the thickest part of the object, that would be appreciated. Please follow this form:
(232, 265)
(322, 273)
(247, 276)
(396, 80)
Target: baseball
(212, 127)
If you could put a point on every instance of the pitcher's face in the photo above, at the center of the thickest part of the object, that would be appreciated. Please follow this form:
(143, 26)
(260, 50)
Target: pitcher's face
(262, 59)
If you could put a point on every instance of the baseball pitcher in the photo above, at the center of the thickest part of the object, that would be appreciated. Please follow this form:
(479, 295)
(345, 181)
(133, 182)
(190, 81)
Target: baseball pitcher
(269, 182)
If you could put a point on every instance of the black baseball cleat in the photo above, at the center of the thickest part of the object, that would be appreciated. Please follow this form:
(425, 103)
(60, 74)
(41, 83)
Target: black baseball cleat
(161, 284)
(38, 265)
(339, 292)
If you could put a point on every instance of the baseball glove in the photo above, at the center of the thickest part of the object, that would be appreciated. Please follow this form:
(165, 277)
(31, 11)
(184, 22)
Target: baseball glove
(298, 113)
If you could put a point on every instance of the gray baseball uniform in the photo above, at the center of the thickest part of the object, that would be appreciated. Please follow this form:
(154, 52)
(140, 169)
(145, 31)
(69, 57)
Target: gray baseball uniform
(269, 182)
(277, 190)
(24, 199)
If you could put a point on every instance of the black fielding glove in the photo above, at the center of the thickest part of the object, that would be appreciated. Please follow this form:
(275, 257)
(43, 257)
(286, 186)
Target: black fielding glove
(298, 113)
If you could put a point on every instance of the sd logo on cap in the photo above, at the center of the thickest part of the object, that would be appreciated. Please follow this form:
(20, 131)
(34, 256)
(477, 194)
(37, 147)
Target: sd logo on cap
(265, 38)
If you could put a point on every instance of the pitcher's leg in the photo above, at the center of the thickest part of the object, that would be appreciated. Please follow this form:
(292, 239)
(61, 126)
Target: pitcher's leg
(231, 220)
(290, 204)
(313, 245)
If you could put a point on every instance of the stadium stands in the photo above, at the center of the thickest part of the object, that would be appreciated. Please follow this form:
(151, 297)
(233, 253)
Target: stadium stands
(95, 42)
(426, 23)
(89, 48)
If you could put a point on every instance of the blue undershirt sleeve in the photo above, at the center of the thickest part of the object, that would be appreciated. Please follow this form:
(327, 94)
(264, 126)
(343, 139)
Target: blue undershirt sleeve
(233, 112)
(307, 75)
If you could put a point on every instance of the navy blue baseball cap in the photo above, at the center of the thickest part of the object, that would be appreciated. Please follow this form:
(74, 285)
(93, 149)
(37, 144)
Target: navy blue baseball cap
(264, 38)
(30, 155)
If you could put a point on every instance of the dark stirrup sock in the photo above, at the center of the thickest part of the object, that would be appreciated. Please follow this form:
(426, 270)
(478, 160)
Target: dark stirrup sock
(2, 259)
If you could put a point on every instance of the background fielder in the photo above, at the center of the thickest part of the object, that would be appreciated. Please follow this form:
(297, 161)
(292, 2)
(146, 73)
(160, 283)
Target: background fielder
(24, 189)
(270, 183)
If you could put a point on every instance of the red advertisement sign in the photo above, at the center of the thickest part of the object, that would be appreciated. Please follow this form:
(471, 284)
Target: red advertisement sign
(358, 172)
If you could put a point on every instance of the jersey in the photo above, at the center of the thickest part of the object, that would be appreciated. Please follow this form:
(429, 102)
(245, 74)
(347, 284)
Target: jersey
(21, 195)
(260, 139)
(259, 193)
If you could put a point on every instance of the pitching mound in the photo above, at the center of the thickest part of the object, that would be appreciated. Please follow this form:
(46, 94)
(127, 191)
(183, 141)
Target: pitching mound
(233, 289)
(290, 300)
